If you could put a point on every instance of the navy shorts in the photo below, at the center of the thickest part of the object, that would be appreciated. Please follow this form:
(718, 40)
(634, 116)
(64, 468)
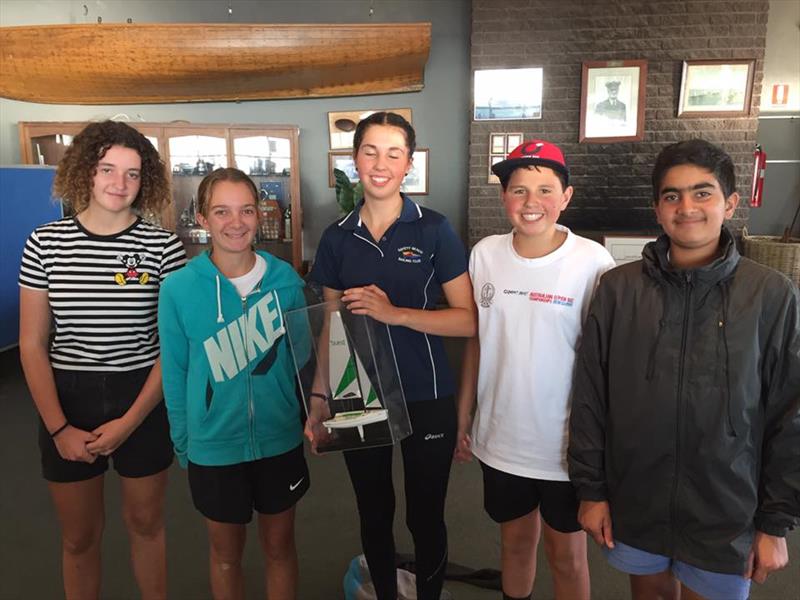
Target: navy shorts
(91, 398)
(507, 497)
(230, 493)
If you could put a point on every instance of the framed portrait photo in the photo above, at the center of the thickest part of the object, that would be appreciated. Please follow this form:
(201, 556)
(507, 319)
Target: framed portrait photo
(416, 182)
(716, 88)
(342, 125)
(508, 94)
(613, 101)
(342, 160)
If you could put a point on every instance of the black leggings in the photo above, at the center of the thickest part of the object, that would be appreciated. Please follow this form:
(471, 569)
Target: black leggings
(427, 456)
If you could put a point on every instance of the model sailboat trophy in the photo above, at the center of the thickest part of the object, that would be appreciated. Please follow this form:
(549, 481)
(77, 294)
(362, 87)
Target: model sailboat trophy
(351, 357)
(349, 384)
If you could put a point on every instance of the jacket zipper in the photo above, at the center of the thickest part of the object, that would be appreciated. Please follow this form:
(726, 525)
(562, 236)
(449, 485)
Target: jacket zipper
(679, 410)
(250, 407)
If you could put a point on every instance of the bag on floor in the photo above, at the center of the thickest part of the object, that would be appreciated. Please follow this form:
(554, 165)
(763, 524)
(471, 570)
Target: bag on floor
(358, 584)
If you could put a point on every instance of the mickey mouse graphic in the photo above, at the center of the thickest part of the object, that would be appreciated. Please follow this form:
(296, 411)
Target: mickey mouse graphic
(131, 261)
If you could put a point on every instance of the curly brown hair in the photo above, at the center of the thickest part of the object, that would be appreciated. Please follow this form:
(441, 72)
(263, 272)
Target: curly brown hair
(73, 182)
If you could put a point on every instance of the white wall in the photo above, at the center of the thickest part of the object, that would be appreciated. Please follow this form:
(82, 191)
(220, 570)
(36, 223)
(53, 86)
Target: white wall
(779, 126)
(440, 110)
(782, 55)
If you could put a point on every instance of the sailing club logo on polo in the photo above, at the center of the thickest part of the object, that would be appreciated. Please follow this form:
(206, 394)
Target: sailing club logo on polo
(409, 254)
(235, 345)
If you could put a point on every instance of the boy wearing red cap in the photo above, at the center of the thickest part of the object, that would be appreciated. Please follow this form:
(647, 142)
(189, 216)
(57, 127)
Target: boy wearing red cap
(532, 287)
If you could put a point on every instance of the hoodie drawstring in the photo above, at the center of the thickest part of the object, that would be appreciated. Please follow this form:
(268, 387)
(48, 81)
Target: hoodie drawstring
(220, 318)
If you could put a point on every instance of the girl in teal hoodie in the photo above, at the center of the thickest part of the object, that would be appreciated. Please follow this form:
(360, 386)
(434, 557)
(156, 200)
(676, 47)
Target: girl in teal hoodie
(229, 385)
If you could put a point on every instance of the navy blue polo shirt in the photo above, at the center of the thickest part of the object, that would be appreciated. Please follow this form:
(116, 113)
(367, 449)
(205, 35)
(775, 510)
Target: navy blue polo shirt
(412, 260)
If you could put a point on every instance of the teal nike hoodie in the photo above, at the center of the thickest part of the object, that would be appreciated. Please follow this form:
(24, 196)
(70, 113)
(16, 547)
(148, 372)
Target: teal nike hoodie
(227, 368)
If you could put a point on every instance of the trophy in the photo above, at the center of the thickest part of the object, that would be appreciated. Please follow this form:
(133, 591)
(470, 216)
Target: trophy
(348, 361)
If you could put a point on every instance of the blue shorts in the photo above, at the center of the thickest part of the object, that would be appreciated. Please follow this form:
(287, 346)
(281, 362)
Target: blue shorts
(710, 585)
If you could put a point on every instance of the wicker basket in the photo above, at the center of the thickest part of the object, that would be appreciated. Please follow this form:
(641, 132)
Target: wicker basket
(769, 250)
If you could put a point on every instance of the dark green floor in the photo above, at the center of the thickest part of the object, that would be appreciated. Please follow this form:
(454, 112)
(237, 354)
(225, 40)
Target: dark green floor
(327, 529)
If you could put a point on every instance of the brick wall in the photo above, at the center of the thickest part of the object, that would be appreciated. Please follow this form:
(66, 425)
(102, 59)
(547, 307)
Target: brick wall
(612, 181)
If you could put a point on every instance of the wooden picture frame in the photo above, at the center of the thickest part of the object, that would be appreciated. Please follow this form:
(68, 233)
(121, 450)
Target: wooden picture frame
(613, 101)
(716, 88)
(342, 124)
(416, 182)
(342, 160)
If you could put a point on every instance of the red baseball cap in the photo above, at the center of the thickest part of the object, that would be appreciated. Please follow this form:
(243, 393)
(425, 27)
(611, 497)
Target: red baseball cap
(533, 152)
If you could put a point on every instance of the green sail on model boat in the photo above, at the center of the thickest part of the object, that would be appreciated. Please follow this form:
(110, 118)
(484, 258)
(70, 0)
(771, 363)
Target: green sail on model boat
(349, 383)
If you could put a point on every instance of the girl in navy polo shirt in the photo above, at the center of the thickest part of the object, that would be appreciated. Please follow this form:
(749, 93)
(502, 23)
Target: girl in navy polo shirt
(391, 259)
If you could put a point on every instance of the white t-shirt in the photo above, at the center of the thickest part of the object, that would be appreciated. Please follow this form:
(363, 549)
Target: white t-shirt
(530, 313)
(246, 283)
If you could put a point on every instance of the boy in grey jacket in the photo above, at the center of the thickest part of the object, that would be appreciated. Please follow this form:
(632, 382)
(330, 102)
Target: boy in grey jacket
(685, 427)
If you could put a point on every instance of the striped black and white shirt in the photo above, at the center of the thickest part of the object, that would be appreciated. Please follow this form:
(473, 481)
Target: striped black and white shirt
(103, 291)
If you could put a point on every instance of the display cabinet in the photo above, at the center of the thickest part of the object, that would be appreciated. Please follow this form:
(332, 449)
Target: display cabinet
(268, 153)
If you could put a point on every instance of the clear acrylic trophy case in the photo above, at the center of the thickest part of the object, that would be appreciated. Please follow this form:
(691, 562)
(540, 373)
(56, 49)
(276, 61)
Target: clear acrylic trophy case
(348, 377)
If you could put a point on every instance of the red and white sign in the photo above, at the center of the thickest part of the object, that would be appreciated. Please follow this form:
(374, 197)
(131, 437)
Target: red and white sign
(780, 94)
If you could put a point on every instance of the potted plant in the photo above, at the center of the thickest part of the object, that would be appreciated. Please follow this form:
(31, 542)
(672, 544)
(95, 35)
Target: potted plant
(347, 193)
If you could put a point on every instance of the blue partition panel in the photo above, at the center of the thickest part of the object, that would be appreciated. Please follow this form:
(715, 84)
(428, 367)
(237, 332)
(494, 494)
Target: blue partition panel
(25, 203)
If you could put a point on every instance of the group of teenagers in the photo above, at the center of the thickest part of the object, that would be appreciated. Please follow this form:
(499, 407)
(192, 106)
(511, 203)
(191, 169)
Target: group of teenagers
(654, 406)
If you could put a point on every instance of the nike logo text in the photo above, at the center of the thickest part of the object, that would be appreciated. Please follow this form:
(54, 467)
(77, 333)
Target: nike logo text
(293, 486)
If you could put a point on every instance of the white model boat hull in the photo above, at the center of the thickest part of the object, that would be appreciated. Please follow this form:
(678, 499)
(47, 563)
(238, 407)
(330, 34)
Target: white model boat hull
(358, 419)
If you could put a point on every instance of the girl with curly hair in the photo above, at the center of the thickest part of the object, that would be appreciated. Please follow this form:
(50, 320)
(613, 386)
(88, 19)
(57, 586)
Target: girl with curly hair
(95, 276)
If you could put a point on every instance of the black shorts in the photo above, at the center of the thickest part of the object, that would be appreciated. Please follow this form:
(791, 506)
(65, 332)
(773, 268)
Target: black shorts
(91, 398)
(507, 497)
(228, 494)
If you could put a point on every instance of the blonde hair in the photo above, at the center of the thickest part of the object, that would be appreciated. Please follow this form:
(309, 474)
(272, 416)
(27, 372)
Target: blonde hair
(206, 188)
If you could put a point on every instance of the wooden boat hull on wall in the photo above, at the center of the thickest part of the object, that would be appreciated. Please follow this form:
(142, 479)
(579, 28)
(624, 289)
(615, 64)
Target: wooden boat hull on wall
(158, 63)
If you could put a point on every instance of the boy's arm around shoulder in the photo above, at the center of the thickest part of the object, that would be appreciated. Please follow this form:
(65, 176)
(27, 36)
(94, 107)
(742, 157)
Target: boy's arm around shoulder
(586, 449)
(174, 363)
(779, 485)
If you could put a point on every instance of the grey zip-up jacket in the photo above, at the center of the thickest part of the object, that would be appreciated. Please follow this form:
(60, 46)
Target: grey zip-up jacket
(686, 406)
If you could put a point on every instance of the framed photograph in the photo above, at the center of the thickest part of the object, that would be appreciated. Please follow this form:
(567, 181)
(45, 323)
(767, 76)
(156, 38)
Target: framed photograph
(626, 248)
(716, 88)
(416, 182)
(508, 94)
(500, 145)
(497, 144)
(342, 160)
(512, 141)
(612, 101)
(494, 159)
(342, 125)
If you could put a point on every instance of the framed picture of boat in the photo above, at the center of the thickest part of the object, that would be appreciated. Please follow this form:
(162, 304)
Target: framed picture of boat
(348, 377)
(716, 88)
(342, 125)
